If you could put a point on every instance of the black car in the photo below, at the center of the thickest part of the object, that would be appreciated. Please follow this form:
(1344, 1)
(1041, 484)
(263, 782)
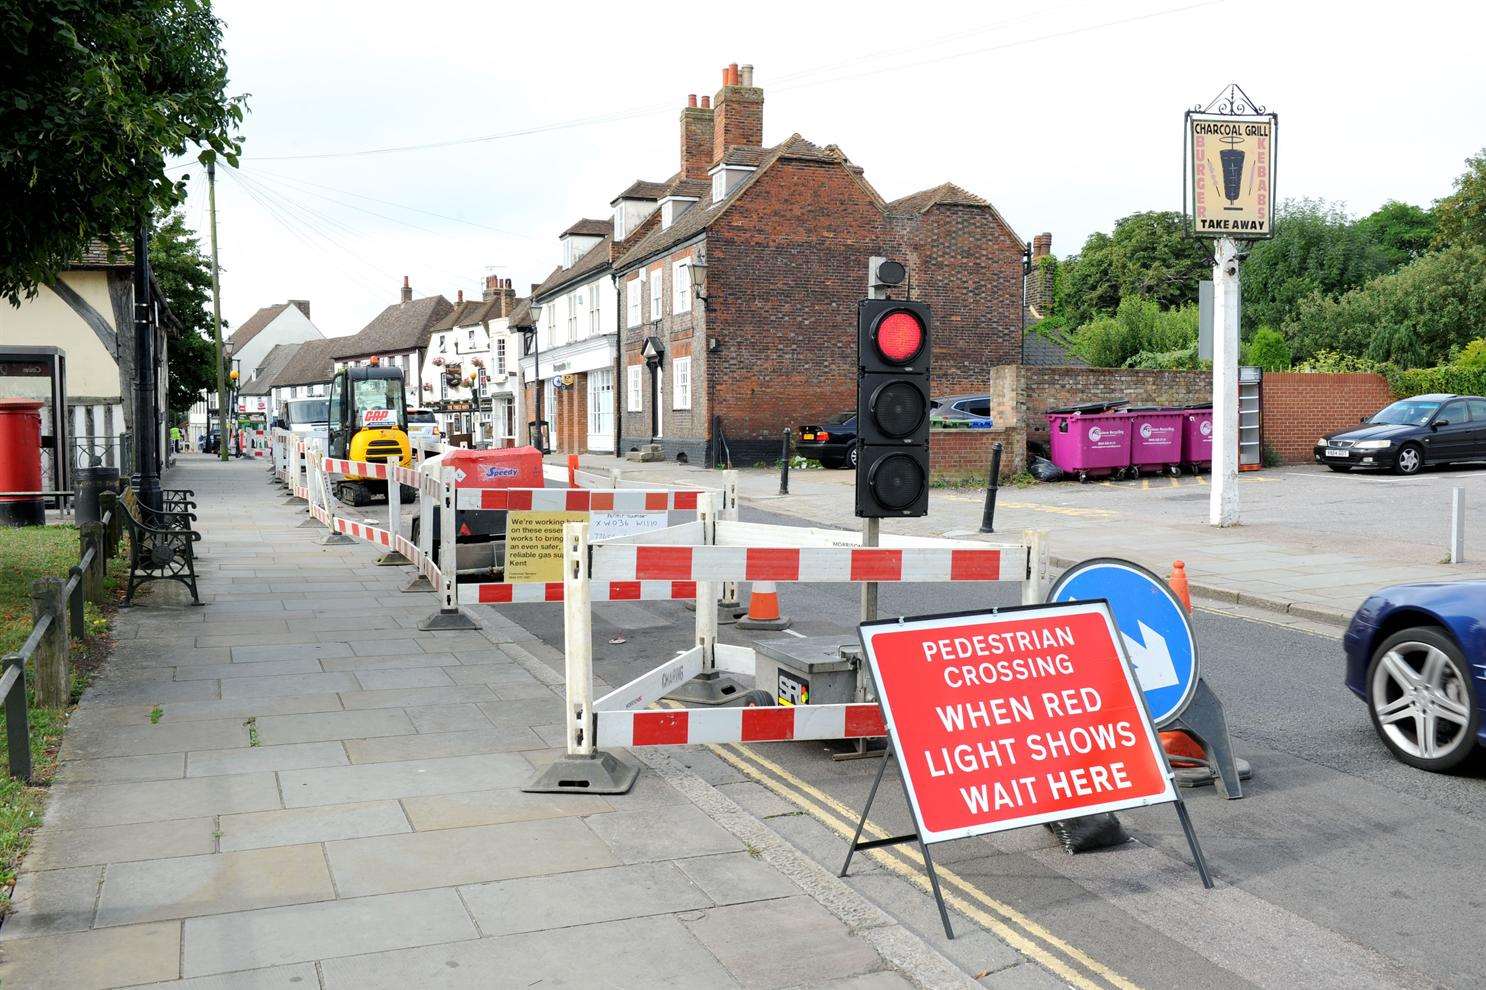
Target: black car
(834, 443)
(1426, 429)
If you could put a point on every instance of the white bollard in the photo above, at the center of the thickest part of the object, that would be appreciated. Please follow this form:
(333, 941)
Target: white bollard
(449, 616)
(614, 478)
(707, 590)
(577, 638)
(730, 513)
(1457, 526)
(1037, 566)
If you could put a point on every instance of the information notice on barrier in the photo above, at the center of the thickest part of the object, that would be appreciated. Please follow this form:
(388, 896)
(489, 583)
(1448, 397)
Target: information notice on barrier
(1010, 718)
(534, 545)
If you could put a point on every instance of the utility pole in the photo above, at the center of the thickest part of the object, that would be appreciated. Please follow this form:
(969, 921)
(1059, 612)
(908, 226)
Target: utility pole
(211, 193)
(1227, 261)
(146, 407)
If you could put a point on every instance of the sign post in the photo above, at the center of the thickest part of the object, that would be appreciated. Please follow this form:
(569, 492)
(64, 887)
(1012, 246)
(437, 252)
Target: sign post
(1229, 195)
(1013, 717)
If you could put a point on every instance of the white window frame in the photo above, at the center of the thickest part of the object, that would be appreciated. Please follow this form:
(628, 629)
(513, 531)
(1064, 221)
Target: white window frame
(632, 301)
(681, 287)
(500, 356)
(719, 185)
(634, 388)
(572, 298)
(681, 383)
(550, 311)
(593, 310)
(656, 286)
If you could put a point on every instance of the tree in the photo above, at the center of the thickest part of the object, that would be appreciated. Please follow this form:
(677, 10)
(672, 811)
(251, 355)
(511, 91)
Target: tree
(1315, 248)
(1267, 349)
(1411, 317)
(1402, 231)
(184, 275)
(1140, 334)
(96, 97)
(1462, 214)
(1473, 355)
(1148, 256)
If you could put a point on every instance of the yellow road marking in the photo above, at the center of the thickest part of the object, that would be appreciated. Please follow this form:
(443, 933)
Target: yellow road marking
(1174, 483)
(1201, 480)
(1145, 484)
(909, 864)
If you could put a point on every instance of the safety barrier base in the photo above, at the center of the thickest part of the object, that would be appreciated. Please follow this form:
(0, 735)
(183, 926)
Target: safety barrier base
(601, 773)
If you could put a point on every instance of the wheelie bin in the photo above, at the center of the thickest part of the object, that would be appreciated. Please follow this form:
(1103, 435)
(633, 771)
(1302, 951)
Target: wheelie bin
(1156, 440)
(1090, 445)
(1197, 438)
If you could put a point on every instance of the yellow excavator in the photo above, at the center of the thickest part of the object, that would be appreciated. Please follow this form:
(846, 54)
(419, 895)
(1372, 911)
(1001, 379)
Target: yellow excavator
(368, 422)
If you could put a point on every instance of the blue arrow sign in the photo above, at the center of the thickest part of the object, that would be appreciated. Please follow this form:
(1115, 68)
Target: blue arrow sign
(1152, 622)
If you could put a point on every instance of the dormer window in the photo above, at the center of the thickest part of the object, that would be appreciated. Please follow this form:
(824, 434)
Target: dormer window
(725, 178)
(672, 207)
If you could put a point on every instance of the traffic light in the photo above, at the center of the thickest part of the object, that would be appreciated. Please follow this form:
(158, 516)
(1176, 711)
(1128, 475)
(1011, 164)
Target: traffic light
(892, 408)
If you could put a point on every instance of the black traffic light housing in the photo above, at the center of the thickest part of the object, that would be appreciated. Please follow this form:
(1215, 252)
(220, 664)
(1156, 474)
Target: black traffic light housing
(893, 359)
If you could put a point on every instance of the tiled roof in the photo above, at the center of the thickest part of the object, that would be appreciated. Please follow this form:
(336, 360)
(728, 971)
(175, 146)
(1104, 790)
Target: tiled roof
(272, 365)
(400, 327)
(100, 254)
(642, 189)
(521, 313)
(595, 259)
(311, 363)
(696, 188)
(255, 324)
(947, 194)
(590, 228)
(467, 314)
(701, 216)
(743, 154)
(1047, 348)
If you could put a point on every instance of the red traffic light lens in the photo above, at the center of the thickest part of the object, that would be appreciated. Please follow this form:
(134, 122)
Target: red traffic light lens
(900, 336)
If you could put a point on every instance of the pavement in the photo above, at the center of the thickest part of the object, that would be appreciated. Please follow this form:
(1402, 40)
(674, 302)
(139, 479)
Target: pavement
(1312, 545)
(293, 787)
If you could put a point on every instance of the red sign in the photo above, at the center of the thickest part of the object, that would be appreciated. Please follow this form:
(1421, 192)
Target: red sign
(1014, 718)
(377, 417)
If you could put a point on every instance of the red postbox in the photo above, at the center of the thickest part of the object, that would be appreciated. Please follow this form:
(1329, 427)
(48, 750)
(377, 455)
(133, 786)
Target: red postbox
(20, 462)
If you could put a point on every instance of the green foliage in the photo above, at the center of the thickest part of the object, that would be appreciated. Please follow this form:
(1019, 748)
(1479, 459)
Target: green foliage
(1447, 378)
(1472, 355)
(1335, 362)
(1315, 248)
(96, 97)
(1462, 214)
(1148, 256)
(1267, 349)
(1402, 231)
(185, 277)
(1412, 317)
(1139, 327)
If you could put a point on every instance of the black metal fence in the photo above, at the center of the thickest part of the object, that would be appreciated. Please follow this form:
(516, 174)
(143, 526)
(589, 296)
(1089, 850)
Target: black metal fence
(57, 607)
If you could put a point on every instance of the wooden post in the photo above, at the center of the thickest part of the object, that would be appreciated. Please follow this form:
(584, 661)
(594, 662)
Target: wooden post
(17, 727)
(53, 684)
(93, 575)
(108, 508)
(75, 599)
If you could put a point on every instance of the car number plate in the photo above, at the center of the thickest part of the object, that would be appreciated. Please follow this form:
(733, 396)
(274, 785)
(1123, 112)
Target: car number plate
(807, 436)
(1336, 452)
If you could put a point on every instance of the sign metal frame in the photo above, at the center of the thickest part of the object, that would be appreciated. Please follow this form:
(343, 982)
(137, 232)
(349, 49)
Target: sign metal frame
(920, 835)
(1232, 105)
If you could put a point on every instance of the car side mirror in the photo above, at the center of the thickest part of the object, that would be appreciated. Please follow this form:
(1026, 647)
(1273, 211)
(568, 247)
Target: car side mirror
(1364, 419)
(1438, 423)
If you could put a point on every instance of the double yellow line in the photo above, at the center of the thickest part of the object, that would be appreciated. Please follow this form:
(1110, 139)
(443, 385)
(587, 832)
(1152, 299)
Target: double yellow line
(1068, 962)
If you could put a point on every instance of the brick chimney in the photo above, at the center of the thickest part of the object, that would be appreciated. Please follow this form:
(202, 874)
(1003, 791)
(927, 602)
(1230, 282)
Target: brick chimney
(696, 139)
(303, 305)
(407, 290)
(1040, 279)
(738, 112)
(499, 290)
(459, 298)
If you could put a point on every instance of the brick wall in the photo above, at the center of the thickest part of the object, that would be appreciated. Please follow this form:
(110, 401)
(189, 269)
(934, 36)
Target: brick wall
(1297, 407)
(958, 454)
(1022, 394)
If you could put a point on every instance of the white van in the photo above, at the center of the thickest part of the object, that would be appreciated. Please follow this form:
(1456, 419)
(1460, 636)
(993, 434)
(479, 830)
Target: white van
(309, 418)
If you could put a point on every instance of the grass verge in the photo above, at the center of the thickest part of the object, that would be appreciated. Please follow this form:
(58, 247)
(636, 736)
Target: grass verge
(29, 553)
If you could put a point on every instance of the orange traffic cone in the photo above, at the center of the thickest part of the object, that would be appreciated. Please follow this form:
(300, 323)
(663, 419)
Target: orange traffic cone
(1183, 749)
(763, 608)
(1177, 581)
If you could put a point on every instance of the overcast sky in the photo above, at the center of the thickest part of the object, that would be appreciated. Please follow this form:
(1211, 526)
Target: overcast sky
(1065, 113)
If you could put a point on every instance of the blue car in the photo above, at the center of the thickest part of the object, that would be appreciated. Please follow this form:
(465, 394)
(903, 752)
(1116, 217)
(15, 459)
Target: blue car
(1416, 653)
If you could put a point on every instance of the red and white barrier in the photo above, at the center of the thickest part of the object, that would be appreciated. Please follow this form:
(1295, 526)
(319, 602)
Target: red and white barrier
(619, 562)
(504, 593)
(688, 726)
(577, 500)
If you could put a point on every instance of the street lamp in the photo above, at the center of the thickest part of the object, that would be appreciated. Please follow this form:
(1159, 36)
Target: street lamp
(232, 377)
(224, 398)
(536, 337)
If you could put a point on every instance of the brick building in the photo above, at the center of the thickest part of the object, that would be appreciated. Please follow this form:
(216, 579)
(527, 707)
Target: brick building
(738, 280)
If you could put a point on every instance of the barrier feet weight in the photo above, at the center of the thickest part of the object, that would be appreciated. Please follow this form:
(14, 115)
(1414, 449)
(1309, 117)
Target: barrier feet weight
(445, 620)
(393, 558)
(418, 583)
(310, 522)
(710, 687)
(601, 773)
(334, 539)
(727, 612)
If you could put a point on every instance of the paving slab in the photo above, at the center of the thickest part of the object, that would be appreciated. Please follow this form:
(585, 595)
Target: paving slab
(325, 930)
(464, 855)
(292, 756)
(660, 833)
(407, 677)
(291, 649)
(802, 938)
(433, 745)
(448, 718)
(530, 904)
(93, 960)
(204, 711)
(408, 661)
(736, 878)
(277, 730)
(497, 806)
(376, 781)
(321, 823)
(149, 692)
(300, 977)
(156, 890)
(52, 902)
(651, 952)
(94, 805)
(147, 739)
(57, 848)
(458, 694)
(288, 685)
(163, 766)
(262, 668)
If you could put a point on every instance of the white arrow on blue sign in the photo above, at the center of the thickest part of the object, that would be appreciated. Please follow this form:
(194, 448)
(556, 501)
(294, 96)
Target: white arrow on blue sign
(1152, 622)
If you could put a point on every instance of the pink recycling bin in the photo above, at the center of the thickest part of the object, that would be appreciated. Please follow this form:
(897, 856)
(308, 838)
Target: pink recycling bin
(1156, 440)
(1197, 438)
(1093, 445)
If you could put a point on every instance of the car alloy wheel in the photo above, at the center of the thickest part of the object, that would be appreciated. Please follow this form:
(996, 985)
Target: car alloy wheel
(851, 458)
(1418, 690)
(1410, 460)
